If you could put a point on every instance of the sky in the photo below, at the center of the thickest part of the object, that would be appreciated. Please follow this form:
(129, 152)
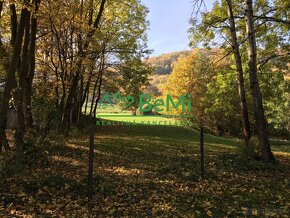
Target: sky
(169, 23)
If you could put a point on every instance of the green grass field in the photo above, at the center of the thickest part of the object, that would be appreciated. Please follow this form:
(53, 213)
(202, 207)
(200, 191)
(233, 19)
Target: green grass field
(145, 171)
(115, 114)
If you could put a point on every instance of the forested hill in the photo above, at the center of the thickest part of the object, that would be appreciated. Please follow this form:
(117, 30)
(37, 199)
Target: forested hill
(163, 63)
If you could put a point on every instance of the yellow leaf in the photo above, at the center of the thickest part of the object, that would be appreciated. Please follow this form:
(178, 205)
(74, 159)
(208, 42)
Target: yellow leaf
(255, 212)
(206, 204)
(209, 213)
(13, 212)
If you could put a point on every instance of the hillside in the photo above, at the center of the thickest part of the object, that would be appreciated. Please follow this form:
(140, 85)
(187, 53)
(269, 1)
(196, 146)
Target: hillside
(163, 63)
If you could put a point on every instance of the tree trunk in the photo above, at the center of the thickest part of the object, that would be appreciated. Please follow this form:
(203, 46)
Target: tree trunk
(10, 79)
(13, 23)
(87, 90)
(31, 70)
(1, 8)
(20, 92)
(241, 85)
(4, 55)
(69, 103)
(254, 83)
(87, 101)
(80, 101)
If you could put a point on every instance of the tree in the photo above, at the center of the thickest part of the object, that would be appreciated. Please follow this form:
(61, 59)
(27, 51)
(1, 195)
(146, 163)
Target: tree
(10, 79)
(256, 93)
(239, 68)
(135, 77)
(210, 89)
(31, 67)
(216, 30)
(64, 47)
(23, 39)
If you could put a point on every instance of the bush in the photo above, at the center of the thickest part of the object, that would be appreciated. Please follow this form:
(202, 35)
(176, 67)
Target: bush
(44, 113)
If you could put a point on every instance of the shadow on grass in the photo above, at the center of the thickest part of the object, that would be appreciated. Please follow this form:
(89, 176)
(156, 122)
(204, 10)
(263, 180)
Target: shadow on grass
(143, 171)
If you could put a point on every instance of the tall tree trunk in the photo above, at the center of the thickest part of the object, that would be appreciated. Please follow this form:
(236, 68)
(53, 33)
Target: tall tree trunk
(31, 70)
(238, 60)
(13, 23)
(10, 79)
(20, 91)
(254, 83)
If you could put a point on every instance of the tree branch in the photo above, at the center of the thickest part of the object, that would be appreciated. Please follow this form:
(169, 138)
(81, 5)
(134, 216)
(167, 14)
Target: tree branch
(274, 19)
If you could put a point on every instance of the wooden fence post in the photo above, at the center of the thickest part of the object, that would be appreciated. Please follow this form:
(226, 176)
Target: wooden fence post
(201, 152)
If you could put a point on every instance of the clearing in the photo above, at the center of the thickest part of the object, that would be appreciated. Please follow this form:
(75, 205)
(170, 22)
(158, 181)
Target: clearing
(144, 171)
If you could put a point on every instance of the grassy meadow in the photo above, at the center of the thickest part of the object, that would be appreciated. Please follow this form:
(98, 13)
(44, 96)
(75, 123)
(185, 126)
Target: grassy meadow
(145, 171)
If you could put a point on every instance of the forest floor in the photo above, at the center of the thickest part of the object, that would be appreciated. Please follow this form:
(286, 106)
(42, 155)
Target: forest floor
(143, 171)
